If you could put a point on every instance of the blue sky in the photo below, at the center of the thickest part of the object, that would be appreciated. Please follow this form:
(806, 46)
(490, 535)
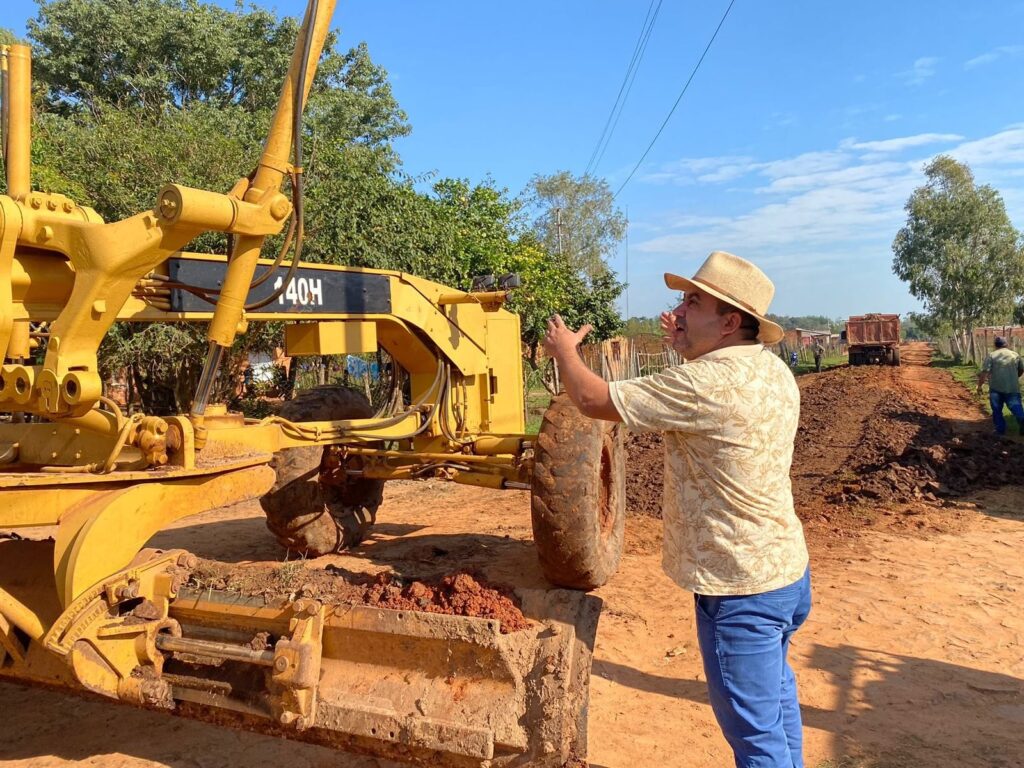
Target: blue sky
(796, 145)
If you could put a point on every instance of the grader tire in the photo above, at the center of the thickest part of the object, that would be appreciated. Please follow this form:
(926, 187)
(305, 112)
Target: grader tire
(579, 497)
(309, 517)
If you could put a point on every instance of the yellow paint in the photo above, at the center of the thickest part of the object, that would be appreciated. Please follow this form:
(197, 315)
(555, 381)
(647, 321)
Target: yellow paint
(347, 337)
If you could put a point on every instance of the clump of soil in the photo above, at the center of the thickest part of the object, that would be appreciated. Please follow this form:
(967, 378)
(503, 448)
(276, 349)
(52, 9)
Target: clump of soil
(456, 594)
(933, 466)
(866, 444)
(645, 473)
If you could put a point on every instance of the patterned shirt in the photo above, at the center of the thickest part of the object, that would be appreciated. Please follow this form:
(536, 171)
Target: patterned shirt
(1004, 366)
(729, 419)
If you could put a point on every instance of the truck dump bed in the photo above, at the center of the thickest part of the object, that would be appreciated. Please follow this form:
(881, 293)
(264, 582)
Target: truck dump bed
(873, 330)
(873, 339)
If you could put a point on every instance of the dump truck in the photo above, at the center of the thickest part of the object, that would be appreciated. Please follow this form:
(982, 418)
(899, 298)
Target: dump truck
(873, 339)
(92, 608)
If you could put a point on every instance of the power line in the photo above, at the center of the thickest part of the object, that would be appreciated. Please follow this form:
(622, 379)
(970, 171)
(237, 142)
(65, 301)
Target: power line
(678, 99)
(624, 89)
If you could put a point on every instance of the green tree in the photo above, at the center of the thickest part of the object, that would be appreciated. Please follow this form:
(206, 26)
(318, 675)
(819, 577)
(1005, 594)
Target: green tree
(808, 322)
(958, 251)
(642, 326)
(135, 94)
(575, 218)
(7, 37)
(157, 52)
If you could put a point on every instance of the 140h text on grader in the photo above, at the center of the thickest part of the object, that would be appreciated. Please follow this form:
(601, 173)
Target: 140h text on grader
(92, 609)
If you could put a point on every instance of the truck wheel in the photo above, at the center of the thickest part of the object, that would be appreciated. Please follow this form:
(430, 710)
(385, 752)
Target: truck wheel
(896, 356)
(305, 515)
(578, 502)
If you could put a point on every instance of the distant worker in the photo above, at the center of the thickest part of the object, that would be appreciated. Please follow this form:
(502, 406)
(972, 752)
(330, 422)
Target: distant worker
(819, 351)
(731, 536)
(1002, 370)
(793, 359)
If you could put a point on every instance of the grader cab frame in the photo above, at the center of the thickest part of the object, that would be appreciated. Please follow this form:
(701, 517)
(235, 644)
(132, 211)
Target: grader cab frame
(92, 609)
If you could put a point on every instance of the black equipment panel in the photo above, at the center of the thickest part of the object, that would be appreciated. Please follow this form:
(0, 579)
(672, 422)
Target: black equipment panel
(312, 290)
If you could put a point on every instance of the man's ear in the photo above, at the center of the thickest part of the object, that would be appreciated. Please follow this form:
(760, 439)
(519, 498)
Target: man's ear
(733, 321)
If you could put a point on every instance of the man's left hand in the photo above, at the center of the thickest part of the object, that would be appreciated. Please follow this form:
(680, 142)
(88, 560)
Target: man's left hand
(560, 340)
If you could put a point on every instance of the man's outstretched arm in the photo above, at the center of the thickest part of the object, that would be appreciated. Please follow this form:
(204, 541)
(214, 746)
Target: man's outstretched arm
(585, 388)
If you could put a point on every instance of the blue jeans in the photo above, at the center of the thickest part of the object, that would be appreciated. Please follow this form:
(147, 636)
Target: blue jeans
(1012, 401)
(744, 640)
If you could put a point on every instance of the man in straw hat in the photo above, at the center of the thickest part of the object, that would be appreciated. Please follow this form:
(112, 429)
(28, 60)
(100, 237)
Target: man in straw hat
(729, 416)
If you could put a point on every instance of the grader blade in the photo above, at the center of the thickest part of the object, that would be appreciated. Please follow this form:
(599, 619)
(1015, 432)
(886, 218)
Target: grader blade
(426, 688)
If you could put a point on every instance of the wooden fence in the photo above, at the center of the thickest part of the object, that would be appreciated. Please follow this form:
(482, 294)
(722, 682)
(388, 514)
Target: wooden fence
(973, 347)
(635, 356)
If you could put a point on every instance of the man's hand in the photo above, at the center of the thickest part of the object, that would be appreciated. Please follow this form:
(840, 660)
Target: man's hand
(668, 327)
(560, 341)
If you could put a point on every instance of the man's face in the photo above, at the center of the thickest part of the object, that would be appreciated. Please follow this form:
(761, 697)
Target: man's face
(698, 326)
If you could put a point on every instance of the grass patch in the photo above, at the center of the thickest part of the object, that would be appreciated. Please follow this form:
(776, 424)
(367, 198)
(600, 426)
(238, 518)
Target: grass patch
(537, 400)
(829, 361)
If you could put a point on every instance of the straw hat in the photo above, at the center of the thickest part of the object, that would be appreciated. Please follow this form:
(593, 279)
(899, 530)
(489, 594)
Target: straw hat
(737, 282)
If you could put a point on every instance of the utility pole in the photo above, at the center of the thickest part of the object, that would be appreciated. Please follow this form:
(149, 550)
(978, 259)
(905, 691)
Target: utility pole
(627, 262)
(558, 217)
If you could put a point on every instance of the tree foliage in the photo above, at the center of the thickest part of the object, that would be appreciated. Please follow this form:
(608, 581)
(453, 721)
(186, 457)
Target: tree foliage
(958, 251)
(132, 94)
(808, 322)
(576, 219)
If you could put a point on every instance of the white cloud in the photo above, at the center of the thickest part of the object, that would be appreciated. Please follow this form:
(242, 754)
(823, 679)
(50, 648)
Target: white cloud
(1003, 51)
(1005, 148)
(922, 69)
(702, 170)
(905, 142)
(825, 205)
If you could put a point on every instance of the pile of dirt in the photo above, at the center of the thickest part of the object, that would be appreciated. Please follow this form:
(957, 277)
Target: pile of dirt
(934, 467)
(456, 594)
(868, 441)
(645, 468)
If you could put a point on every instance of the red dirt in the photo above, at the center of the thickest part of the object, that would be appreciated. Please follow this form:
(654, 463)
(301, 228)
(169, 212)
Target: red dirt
(868, 443)
(911, 656)
(458, 594)
(645, 473)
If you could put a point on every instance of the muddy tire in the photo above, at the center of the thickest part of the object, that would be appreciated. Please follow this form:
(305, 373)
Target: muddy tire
(309, 517)
(896, 356)
(579, 496)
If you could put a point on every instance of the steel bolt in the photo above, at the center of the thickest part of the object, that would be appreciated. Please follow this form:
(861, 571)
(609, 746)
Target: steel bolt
(168, 207)
(68, 206)
(128, 591)
(281, 663)
(51, 205)
(287, 718)
(35, 202)
(279, 209)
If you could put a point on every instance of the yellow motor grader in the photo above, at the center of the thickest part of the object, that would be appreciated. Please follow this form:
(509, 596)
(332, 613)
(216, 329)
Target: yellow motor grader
(91, 608)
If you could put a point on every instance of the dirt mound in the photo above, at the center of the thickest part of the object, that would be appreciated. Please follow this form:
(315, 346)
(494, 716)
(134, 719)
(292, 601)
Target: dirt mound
(937, 464)
(645, 473)
(869, 440)
(457, 594)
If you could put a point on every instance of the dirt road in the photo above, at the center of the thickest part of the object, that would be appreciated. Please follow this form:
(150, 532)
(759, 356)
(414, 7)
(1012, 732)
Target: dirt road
(912, 655)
